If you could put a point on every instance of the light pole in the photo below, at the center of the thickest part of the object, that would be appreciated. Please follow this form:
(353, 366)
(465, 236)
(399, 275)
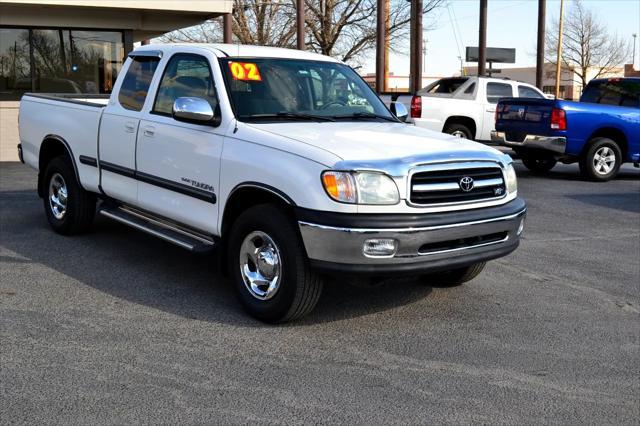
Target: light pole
(633, 54)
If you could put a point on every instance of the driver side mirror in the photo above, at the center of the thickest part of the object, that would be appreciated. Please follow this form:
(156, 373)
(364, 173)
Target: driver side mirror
(195, 110)
(399, 110)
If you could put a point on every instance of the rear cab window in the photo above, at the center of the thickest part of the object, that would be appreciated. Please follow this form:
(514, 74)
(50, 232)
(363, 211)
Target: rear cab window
(618, 92)
(136, 83)
(497, 91)
(444, 86)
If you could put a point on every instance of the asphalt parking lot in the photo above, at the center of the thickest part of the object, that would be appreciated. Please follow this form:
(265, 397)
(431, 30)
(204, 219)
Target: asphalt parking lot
(118, 327)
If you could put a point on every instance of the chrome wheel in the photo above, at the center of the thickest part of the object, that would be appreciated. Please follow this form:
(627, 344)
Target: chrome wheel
(58, 196)
(459, 134)
(604, 160)
(260, 265)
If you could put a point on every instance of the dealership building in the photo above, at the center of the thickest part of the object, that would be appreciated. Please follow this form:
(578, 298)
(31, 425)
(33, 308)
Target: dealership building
(78, 46)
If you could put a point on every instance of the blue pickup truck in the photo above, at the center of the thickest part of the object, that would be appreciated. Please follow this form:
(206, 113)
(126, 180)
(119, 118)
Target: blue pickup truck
(600, 132)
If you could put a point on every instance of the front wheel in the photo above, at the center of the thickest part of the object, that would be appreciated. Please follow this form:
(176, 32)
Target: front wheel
(270, 271)
(601, 161)
(454, 277)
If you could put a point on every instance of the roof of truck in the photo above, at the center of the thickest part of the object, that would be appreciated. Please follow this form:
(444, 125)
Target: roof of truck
(238, 50)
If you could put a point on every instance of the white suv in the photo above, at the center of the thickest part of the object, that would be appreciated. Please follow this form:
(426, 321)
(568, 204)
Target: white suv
(465, 106)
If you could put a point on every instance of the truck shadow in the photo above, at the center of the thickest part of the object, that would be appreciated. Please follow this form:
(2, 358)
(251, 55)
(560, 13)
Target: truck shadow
(571, 173)
(141, 269)
(625, 201)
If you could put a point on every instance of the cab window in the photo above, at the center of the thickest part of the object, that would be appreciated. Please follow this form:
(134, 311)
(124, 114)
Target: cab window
(186, 75)
(497, 91)
(135, 85)
(528, 92)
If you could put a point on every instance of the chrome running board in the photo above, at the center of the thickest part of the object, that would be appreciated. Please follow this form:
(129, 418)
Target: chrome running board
(158, 228)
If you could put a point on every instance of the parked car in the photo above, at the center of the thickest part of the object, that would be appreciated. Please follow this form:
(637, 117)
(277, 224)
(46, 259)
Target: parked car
(285, 160)
(463, 106)
(600, 132)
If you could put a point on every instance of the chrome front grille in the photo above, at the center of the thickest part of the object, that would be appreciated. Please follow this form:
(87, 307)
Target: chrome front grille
(457, 185)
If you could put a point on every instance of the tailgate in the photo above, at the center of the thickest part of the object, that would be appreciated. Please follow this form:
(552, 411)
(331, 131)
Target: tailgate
(518, 117)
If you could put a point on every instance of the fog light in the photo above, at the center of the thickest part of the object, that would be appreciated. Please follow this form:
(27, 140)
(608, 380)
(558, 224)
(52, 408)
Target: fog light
(380, 247)
(521, 227)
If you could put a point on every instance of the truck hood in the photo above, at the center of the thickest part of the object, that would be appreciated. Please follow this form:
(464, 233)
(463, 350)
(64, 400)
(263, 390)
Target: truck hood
(375, 145)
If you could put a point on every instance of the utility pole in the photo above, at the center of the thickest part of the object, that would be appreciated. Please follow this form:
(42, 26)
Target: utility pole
(300, 24)
(380, 44)
(415, 82)
(559, 55)
(540, 53)
(482, 42)
(226, 28)
(387, 44)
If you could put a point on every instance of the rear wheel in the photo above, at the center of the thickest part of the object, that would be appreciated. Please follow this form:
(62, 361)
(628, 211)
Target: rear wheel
(538, 163)
(68, 207)
(601, 160)
(459, 130)
(269, 268)
(454, 277)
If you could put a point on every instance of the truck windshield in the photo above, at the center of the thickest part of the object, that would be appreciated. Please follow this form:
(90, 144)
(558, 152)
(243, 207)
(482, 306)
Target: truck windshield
(299, 90)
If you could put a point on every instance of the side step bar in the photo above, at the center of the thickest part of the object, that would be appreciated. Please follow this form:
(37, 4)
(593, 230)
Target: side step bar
(158, 228)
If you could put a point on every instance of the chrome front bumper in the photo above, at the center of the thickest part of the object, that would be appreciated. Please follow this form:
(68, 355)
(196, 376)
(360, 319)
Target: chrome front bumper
(550, 143)
(420, 248)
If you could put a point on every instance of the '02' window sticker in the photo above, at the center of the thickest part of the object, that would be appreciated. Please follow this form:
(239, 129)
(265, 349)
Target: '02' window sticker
(245, 71)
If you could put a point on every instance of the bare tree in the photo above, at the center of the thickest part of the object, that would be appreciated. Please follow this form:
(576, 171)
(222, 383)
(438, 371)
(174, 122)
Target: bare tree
(587, 47)
(346, 29)
(265, 23)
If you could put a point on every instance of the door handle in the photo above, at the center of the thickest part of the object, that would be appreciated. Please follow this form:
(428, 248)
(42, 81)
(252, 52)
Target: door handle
(491, 110)
(149, 131)
(130, 127)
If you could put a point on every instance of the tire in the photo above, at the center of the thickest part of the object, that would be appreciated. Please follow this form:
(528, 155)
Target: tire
(593, 165)
(269, 233)
(538, 163)
(455, 277)
(459, 130)
(68, 207)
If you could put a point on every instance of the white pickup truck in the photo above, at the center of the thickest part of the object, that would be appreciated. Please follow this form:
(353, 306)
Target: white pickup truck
(285, 160)
(464, 107)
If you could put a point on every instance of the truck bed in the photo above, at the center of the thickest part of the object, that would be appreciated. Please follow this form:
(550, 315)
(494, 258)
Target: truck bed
(71, 118)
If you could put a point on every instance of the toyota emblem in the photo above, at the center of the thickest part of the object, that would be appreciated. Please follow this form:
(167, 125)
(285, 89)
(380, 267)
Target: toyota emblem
(466, 183)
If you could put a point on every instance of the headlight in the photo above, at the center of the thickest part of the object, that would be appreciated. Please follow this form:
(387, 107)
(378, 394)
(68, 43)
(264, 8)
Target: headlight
(512, 180)
(360, 187)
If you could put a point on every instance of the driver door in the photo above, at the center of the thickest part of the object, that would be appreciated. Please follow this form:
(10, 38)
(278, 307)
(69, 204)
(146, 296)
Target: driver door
(178, 162)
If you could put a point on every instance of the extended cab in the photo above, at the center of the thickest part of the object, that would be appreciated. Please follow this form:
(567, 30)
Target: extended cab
(464, 106)
(600, 132)
(286, 160)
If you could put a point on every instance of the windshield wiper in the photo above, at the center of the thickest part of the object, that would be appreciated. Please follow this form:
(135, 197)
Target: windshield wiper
(366, 115)
(288, 116)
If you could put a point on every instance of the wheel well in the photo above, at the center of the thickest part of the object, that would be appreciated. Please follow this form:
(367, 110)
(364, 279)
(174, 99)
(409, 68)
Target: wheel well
(240, 200)
(245, 197)
(613, 134)
(49, 149)
(465, 121)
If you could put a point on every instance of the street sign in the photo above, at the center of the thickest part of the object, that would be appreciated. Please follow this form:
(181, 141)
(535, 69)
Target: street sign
(494, 54)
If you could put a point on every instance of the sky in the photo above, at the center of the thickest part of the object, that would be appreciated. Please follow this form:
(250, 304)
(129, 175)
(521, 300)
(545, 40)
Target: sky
(510, 23)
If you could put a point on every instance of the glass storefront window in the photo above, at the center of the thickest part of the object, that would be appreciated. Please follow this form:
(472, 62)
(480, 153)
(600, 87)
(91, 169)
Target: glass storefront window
(64, 61)
(15, 67)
